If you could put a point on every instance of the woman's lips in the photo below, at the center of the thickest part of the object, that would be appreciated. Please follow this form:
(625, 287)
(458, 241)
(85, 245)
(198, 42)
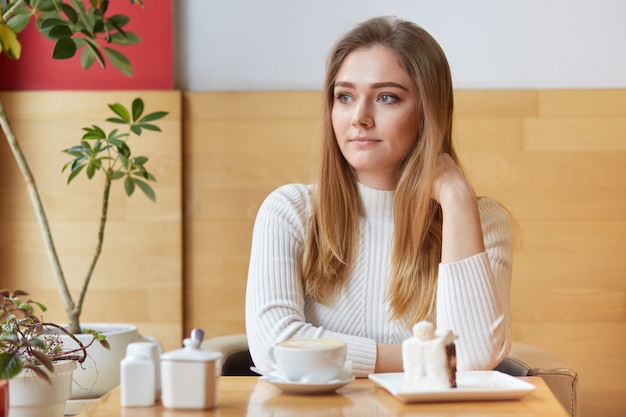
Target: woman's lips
(364, 141)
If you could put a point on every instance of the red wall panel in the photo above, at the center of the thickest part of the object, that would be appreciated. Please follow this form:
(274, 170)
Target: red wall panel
(152, 59)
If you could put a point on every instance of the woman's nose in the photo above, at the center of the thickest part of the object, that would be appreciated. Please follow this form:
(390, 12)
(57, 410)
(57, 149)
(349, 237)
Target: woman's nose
(362, 116)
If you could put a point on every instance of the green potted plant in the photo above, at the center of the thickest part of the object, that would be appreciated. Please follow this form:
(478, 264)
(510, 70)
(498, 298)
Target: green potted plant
(33, 357)
(89, 29)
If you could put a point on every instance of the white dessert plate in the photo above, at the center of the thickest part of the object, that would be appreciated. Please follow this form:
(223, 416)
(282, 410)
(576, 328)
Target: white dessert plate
(471, 386)
(305, 388)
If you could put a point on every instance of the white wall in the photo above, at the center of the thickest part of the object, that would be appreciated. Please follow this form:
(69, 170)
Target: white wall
(283, 44)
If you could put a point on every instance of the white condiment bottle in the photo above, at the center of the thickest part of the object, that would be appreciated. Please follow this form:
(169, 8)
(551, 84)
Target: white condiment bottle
(189, 377)
(138, 376)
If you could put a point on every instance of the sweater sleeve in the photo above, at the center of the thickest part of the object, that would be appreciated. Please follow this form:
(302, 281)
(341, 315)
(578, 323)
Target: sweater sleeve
(275, 301)
(473, 294)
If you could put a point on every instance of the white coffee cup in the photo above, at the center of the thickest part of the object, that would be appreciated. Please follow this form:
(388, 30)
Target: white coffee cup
(310, 360)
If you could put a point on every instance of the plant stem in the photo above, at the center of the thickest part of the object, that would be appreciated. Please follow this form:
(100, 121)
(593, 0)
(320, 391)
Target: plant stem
(69, 355)
(96, 256)
(9, 13)
(78, 6)
(44, 226)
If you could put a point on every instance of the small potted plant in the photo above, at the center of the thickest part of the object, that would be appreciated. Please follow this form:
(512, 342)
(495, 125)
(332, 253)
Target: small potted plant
(87, 29)
(33, 357)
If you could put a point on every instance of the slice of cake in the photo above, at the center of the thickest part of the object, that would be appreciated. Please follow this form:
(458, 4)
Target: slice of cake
(429, 359)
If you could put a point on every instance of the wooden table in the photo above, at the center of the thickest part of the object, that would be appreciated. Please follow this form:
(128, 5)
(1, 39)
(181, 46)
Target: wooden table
(249, 396)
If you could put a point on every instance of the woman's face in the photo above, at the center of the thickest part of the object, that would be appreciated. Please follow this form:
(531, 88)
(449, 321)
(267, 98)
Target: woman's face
(374, 114)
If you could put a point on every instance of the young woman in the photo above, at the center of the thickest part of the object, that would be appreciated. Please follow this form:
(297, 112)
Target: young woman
(392, 233)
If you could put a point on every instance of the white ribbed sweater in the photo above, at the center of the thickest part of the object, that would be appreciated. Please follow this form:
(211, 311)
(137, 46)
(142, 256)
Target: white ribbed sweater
(472, 294)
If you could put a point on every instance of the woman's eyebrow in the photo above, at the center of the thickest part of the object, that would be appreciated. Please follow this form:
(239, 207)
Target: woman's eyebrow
(345, 84)
(385, 84)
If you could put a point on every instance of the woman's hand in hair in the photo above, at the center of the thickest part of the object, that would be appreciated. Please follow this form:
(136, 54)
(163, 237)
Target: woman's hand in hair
(449, 182)
(461, 232)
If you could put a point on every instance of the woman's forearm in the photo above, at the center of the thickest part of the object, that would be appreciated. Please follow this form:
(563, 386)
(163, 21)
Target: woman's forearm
(462, 235)
(388, 358)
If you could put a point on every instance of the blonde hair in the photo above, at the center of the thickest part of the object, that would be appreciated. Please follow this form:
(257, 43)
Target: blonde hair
(333, 238)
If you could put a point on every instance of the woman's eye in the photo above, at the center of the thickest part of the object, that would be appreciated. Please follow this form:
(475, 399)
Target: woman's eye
(343, 97)
(388, 98)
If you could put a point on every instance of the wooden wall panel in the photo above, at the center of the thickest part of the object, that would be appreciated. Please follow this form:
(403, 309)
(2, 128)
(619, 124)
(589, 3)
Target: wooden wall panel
(556, 159)
(566, 186)
(139, 276)
(238, 148)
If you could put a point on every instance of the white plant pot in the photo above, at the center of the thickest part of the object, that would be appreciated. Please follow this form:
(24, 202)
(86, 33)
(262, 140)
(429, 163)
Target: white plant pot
(31, 396)
(100, 372)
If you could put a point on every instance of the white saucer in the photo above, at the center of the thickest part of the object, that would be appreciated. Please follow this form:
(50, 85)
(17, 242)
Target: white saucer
(305, 388)
(471, 386)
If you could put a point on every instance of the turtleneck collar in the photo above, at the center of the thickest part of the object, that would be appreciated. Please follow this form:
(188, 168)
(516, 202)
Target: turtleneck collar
(376, 202)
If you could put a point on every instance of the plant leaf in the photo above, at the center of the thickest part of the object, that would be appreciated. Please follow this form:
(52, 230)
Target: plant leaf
(104, 5)
(46, 5)
(129, 186)
(140, 160)
(19, 21)
(77, 150)
(44, 359)
(87, 58)
(9, 44)
(138, 108)
(38, 343)
(42, 307)
(48, 24)
(121, 111)
(116, 142)
(10, 365)
(117, 175)
(104, 343)
(149, 126)
(94, 132)
(119, 61)
(153, 116)
(66, 165)
(123, 158)
(61, 31)
(114, 135)
(91, 169)
(78, 162)
(64, 49)
(74, 173)
(26, 307)
(117, 120)
(147, 190)
(124, 150)
(69, 12)
(98, 26)
(94, 48)
(118, 20)
(126, 38)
